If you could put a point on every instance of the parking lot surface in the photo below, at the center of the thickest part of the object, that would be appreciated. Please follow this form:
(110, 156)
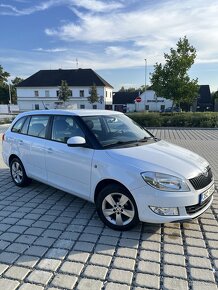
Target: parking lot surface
(50, 239)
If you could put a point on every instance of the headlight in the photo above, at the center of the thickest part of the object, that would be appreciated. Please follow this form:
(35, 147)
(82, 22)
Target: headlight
(165, 182)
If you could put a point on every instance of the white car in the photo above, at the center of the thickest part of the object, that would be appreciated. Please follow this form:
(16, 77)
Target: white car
(106, 158)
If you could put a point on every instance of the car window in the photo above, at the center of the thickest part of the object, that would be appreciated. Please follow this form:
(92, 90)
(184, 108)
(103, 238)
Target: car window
(18, 125)
(65, 127)
(115, 129)
(25, 126)
(37, 126)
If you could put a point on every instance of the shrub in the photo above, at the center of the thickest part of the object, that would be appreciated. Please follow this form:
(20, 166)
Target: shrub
(184, 119)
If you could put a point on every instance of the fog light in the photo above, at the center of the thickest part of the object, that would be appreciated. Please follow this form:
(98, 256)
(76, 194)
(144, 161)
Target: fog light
(165, 210)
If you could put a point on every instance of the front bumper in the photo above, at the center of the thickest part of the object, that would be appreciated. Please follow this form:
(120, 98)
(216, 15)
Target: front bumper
(188, 204)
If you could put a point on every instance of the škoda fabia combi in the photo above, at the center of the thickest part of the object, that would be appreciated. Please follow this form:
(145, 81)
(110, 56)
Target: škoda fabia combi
(106, 158)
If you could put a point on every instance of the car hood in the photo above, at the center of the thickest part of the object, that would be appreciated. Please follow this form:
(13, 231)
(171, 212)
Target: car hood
(163, 157)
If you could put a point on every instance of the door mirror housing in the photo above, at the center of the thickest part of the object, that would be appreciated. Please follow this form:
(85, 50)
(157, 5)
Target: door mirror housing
(76, 141)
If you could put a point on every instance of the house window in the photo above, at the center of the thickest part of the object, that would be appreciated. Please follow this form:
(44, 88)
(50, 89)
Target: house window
(82, 106)
(47, 94)
(147, 107)
(81, 93)
(36, 93)
(71, 93)
(106, 94)
(94, 107)
(36, 106)
(57, 93)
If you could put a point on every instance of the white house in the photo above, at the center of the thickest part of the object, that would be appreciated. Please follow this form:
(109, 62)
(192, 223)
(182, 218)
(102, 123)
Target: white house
(40, 90)
(126, 101)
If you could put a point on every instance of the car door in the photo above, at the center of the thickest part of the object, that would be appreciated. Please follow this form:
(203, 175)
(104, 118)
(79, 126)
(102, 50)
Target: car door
(33, 143)
(68, 168)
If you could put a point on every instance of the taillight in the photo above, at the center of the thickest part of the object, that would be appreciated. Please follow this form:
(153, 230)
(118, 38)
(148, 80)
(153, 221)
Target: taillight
(3, 137)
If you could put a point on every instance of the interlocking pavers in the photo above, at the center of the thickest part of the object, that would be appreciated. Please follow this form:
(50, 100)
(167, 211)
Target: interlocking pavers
(52, 240)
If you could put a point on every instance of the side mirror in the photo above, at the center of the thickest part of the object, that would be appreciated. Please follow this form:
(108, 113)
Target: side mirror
(76, 141)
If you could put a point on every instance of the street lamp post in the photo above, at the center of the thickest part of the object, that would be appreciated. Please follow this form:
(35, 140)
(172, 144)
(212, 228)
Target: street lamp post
(9, 91)
(145, 73)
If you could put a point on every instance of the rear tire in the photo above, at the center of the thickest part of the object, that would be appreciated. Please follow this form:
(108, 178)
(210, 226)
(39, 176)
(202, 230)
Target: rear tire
(18, 173)
(117, 208)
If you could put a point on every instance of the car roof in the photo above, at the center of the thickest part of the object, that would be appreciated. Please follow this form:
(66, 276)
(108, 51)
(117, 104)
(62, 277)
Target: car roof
(71, 112)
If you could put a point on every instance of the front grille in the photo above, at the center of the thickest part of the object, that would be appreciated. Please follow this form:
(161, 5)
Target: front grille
(201, 180)
(192, 209)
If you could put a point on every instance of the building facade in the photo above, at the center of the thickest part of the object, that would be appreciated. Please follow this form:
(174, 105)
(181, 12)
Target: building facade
(41, 90)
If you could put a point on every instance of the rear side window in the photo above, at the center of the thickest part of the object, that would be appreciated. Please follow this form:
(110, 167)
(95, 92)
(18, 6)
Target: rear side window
(37, 126)
(18, 125)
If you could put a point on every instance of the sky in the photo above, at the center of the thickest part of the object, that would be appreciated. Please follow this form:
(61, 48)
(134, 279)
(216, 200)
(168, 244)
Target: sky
(113, 37)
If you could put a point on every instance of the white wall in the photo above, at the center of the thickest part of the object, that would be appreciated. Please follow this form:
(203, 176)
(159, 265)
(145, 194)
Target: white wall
(27, 101)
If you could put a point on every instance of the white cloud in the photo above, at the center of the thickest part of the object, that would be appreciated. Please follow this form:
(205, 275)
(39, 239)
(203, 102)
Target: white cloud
(50, 50)
(148, 31)
(97, 6)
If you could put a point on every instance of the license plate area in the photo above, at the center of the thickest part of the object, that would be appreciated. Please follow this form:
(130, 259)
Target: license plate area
(206, 194)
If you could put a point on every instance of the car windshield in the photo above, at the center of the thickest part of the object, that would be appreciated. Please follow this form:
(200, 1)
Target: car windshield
(115, 130)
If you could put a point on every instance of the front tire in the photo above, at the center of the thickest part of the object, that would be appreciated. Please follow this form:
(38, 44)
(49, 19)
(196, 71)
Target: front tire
(18, 173)
(117, 208)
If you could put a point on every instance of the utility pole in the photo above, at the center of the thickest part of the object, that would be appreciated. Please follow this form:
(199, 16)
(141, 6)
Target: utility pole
(77, 63)
(145, 73)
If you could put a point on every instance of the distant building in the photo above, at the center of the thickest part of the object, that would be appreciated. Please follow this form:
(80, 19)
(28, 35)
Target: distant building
(204, 101)
(40, 90)
(125, 102)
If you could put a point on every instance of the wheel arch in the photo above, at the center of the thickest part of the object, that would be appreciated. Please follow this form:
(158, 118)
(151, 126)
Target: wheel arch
(103, 183)
(12, 156)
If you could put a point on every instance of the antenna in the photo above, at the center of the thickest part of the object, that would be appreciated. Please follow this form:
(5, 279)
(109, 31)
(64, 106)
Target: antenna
(77, 63)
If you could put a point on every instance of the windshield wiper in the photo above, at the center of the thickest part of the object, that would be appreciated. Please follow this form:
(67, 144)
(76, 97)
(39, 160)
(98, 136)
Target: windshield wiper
(120, 143)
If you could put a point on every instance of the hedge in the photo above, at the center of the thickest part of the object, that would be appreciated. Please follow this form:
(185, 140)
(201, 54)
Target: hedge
(184, 119)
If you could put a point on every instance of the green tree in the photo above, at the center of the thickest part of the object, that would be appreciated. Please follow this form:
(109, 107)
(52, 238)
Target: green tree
(171, 80)
(93, 98)
(3, 76)
(64, 92)
(15, 82)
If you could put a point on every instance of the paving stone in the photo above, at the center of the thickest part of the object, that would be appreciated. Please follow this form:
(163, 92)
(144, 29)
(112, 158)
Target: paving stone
(18, 273)
(3, 268)
(64, 281)
(149, 267)
(78, 256)
(108, 240)
(10, 237)
(101, 260)
(175, 249)
(56, 253)
(126, 252)
(64, 244)
(28, 286)
(199, 262)
(83, 246)
(72, 268)
(49, 264)
(34, 231)
(52, 233)
(174, 259)
(124, 263)
(95, 272)
(17, 248)
(26, 239)
(196, 251)
(147, 280)
(42, 241)
(173, 283)
(202, 275)
(121, 276)
(8, 284)
(3, 245)
(36, 251)
(90, 284)
(195, 242)
(175, 271)
(196, 285)
(116, 286)
(88, 238)
(17, 229)
(152, 246)
(8, 258)
(39, 277)
(104, 249)
(27, 261)
(150, 256)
